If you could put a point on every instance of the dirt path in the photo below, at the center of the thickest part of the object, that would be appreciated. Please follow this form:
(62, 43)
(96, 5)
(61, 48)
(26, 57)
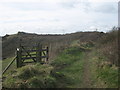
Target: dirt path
(86, 81)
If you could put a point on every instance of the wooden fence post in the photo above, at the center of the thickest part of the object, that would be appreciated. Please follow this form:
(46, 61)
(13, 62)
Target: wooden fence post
(19, 57)
(39, 53)
(47, 54)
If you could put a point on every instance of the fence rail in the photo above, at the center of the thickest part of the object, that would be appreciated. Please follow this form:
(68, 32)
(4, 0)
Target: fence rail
(23, 54)
(36, 54)
(9, 65)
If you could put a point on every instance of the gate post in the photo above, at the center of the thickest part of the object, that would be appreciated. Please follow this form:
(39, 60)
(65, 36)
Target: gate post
(47, 54)
(39, 53)
(19, 57)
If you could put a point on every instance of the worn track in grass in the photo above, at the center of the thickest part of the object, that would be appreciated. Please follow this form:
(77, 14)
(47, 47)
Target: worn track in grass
(86, 80)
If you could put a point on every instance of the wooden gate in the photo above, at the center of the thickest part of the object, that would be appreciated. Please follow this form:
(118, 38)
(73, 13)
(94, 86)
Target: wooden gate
(30, 55)
(38, 54)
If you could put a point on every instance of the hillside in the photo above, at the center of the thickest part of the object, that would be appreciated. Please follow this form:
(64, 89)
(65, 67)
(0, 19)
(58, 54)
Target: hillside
(90, 63)
(11, 42)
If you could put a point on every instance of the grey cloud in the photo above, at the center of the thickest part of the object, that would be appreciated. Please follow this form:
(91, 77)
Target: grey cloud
(107, 8)
(102, 7)
(67, 5)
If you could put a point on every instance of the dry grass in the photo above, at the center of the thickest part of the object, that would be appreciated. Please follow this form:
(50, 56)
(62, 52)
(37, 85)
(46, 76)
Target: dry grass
(108, 46)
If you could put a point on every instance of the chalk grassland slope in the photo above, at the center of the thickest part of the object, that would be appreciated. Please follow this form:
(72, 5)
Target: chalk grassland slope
(11, 42)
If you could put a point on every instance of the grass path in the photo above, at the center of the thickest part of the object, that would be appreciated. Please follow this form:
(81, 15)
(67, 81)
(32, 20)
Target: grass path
(80, 68)
(86, 80)
(98, 77)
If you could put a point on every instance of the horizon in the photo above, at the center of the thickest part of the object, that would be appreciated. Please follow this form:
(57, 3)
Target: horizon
(52, 33)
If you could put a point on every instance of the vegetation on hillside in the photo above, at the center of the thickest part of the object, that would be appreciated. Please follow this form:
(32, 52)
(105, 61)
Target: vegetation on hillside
(108, 46)
(55, 42)
(105, 60)
(34, 76)
(55, 75)
(94, 61)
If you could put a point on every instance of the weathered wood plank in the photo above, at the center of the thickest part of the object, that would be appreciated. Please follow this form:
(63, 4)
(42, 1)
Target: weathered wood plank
(9, 65)
(33, 57)
(47, 54)
(44, 53)
(28, 57)
(39, 53)
(44, 49)
(19, 57)
(29, 54)
(44, 56)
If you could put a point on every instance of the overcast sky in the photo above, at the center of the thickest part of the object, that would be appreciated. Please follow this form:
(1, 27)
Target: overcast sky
(57, 16)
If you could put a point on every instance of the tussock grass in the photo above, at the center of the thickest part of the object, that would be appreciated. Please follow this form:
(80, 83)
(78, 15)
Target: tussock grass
(35, 76)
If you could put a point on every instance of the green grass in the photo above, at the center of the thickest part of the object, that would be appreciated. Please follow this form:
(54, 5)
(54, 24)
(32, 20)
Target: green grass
(75, 72)
(66, 71)
(70, 63)
(34, 76)
(5, 63)
(103, 76)
(109, 75)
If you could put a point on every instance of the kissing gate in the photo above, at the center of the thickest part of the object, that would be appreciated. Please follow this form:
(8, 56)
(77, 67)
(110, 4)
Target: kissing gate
(28, 55)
